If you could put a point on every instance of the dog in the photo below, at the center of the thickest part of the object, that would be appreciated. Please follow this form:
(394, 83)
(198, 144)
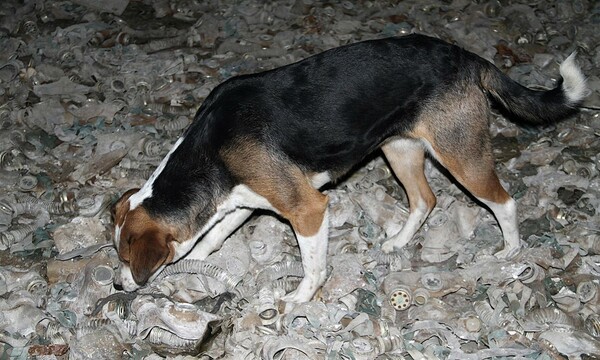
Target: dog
(270, 140)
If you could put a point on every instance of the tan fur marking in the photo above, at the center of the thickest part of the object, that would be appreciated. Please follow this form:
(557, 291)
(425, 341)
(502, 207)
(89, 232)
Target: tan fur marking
(279, 181)
(132, 228)
(307, 219)
(457, 127)
(120, 210)
(145, 244)
(458, 122)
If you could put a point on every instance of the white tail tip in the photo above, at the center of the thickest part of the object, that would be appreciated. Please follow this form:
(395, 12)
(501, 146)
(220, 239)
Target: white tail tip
(574, 84)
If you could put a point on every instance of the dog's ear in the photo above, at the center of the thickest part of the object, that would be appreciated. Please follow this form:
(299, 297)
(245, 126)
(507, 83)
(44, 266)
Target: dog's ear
(147, 253)
(118, 211)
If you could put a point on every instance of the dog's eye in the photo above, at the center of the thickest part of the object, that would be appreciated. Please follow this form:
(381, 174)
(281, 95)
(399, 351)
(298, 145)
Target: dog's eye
(123, 250)
(123, 258)
(113, 212)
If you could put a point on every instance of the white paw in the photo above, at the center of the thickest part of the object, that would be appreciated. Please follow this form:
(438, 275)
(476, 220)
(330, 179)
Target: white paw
(295, 297)
(388, 247)
(291, 297)
(286, 307)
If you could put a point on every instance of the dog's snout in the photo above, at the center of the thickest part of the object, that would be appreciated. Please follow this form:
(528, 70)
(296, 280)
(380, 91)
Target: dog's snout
(140, 282)
(124, 280)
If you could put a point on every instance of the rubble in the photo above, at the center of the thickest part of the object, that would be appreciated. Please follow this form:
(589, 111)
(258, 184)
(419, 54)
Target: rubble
(93, 94)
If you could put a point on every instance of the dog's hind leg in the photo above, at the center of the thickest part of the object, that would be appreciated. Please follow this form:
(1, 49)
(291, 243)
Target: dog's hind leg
(479, 178)
(407, 159)
(456, 131)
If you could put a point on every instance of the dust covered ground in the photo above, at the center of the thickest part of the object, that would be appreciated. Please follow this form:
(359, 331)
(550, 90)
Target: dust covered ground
(93, 95)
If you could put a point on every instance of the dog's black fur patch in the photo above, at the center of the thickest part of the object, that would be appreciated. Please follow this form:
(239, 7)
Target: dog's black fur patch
(325, 113)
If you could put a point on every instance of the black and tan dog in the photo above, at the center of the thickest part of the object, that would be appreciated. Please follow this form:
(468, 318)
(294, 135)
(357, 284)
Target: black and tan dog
(271, 140)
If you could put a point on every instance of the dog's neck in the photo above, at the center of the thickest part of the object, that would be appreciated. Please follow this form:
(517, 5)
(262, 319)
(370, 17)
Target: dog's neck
(187, 202)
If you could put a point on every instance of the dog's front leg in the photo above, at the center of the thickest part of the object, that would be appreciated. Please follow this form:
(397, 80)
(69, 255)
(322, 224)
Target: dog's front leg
(407, 159)
(215, 237)
(269, 181)
(313, 249)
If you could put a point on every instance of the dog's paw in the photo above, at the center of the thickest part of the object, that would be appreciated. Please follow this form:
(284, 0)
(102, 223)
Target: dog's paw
(388, 247)
(507, 253)
(286, 307)
(291, 300)
(291, 297)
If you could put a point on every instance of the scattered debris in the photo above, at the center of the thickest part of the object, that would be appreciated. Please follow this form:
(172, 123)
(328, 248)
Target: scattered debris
(94, 93)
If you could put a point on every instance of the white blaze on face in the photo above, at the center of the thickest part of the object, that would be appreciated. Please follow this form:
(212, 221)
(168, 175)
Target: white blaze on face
(117, 235)
(119, 227)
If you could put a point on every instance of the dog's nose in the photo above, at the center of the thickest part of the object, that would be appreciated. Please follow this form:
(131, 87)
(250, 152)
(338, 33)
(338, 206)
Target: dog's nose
(118, 287)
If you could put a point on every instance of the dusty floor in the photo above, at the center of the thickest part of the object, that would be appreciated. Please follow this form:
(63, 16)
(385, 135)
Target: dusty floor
(93, 94)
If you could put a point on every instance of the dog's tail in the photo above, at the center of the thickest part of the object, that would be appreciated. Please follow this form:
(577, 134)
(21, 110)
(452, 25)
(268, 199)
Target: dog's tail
(538, 107)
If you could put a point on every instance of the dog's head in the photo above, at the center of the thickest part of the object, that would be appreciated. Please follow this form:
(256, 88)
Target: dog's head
(144, 244)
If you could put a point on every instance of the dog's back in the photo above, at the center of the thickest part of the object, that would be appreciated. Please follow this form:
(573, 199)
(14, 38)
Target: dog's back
(330, 110)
